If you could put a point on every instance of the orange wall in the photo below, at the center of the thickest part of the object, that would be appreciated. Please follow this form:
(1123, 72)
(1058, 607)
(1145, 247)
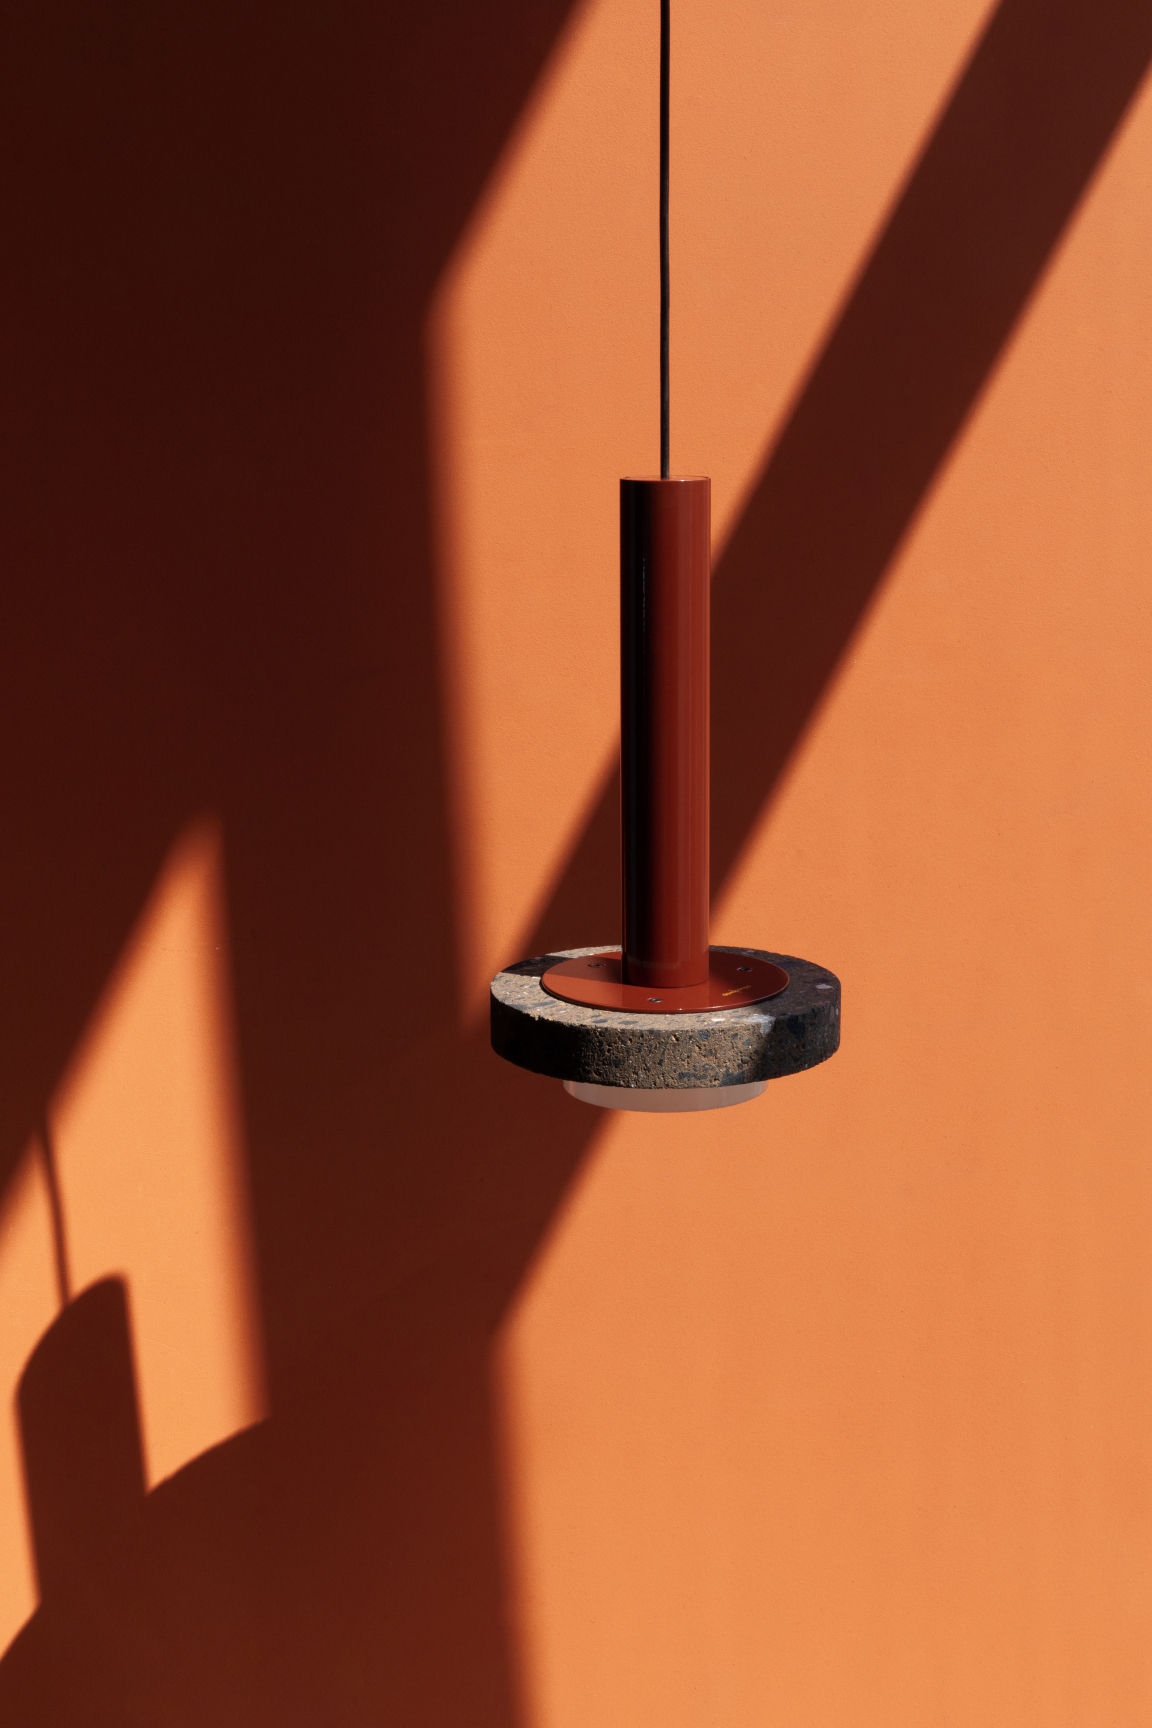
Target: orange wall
(329, 332)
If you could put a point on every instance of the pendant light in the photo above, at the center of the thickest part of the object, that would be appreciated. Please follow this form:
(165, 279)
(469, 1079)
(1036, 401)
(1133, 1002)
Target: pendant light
(666, 1022)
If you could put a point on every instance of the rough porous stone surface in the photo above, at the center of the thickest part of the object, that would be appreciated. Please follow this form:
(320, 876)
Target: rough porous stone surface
(728, 1047)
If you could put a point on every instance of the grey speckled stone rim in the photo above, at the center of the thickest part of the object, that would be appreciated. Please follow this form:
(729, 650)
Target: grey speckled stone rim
(729, 1047)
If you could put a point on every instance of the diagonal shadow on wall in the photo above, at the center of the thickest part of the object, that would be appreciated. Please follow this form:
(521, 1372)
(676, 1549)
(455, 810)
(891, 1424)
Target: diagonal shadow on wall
(228, 222)
(923, 329)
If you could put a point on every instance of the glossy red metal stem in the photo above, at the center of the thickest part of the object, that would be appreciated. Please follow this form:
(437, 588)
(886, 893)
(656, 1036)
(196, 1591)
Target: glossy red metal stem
(664, 645)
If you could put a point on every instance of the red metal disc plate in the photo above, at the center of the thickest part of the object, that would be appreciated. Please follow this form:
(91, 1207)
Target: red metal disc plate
(734, 980)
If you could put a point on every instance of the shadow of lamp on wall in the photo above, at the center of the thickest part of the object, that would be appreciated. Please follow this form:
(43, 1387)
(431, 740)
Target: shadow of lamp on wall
(667, 1022)
(80, 1434)
(79, 1419)
(130, 1336)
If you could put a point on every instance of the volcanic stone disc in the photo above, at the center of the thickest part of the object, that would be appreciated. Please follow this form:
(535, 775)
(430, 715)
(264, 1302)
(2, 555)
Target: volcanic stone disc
(730, 1047)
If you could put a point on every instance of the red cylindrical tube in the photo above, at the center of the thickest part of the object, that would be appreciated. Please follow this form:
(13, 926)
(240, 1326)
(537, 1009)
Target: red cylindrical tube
(664, 645)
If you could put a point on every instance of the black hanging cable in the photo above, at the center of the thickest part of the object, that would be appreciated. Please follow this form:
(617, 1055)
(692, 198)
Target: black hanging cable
(664, 34)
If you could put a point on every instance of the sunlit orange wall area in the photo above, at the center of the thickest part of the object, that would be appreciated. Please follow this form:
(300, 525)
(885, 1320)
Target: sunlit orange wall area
(137, 1174)
(833, 1408)
(444, 1399)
